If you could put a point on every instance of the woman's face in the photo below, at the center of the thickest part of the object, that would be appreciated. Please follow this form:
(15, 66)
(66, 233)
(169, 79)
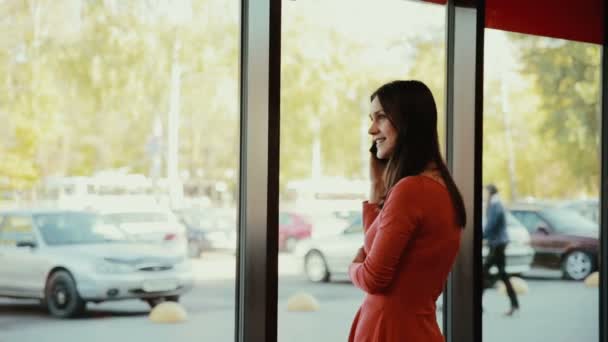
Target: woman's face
(383, 133)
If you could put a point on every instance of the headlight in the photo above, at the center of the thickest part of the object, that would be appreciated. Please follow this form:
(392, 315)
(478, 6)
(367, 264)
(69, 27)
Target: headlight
(110, 267)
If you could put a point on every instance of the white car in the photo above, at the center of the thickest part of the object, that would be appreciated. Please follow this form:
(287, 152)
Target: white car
(69, 258)
(331, 252)
(519, 253)
(148, 223)
(331, 248)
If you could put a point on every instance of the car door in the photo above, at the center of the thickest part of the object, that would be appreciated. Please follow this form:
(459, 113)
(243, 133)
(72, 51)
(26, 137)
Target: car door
(543, 238)
(23, 267)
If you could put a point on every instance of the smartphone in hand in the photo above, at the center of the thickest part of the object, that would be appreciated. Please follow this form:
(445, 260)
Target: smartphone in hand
(373, 149)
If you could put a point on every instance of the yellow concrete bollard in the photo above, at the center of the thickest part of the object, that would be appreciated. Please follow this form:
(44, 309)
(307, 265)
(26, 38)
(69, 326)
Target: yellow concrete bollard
(168, 312)
(302, 302)
(593, 280)
(519, 285)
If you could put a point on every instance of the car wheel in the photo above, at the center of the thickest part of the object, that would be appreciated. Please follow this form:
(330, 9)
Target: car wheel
(316, 267)
(577, 265)
(61, 296)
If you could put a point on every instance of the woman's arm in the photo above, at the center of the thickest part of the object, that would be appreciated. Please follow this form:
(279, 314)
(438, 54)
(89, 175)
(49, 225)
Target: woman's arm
(370, 212)
(398, 221)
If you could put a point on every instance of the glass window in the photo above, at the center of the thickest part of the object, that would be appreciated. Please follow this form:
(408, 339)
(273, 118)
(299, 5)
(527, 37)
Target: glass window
(564, 220)
(330, 65)
(76, 229)
(128, 109)
(540, 149)
(531, 220)
(16, 229)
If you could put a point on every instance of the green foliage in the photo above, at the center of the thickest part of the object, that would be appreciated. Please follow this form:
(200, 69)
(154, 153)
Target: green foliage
(567, 78)
(83, 101)
(81, 88)
(555, 120)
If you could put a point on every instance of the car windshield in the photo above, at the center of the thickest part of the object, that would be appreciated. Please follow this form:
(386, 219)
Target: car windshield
(76, 228)
(564, 220)
(512, 221)
(355, 225)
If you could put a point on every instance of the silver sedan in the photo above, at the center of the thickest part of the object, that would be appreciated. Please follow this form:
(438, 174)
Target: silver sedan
(333, 245)
(69, 258)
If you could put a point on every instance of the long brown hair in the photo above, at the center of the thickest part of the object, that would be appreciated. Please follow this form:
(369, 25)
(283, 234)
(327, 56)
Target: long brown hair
(411, 108)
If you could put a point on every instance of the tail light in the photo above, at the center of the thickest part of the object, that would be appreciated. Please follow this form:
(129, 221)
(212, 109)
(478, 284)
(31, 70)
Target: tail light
(170, 237)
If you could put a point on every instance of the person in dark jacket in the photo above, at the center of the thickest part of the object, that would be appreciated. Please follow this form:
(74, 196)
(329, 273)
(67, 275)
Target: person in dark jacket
(495, 233)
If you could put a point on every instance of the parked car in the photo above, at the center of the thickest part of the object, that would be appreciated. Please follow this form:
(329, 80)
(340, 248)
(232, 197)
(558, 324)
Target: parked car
(147, 223)
(69, 258)
(588, 208)
(215, 229)
(330, 249)
(292, 228)
(209, 229)
(330, 252)
(519, 253)
(561, 238)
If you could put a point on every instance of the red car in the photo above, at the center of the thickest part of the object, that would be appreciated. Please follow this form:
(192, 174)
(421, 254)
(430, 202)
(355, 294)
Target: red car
(562, 239)
(292, 228)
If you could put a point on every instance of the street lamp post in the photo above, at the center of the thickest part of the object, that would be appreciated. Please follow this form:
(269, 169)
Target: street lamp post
(175, 188)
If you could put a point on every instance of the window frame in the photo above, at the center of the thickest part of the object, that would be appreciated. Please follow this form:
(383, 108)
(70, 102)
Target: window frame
(258, 217)
(258, 204)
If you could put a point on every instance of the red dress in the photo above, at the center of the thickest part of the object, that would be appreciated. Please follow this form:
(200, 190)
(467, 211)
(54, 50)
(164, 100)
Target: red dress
(411, 245)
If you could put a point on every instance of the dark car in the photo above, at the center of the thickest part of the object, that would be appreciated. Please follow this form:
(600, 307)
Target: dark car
(589, 208)
(561, 238)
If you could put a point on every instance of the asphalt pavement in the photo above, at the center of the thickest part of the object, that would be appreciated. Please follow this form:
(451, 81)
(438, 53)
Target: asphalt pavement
(553, 310)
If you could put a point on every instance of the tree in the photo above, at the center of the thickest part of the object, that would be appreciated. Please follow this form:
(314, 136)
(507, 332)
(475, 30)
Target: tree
(320, 88)
(566, 77)
(88, 98)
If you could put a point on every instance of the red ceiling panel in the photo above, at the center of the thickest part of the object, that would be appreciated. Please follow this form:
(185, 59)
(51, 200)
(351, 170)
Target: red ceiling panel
(581, 20)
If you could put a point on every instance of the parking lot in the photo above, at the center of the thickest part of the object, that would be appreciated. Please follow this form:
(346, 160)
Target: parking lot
(553, 310)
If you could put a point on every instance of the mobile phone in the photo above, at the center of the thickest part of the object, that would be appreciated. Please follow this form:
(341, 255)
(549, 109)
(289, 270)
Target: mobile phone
(374, 152)
(373, 149)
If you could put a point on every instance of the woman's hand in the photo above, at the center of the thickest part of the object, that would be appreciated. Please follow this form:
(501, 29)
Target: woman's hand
(376, 175)
(360, 257)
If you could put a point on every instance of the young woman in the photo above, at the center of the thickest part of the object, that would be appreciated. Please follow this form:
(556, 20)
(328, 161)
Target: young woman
(412, 220)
